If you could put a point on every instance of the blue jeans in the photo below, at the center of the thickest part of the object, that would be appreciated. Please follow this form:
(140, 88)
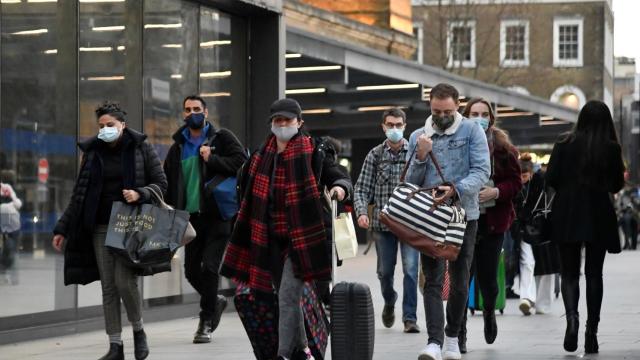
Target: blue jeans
(387, 249)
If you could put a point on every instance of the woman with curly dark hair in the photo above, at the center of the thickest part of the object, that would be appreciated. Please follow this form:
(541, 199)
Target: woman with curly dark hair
(117, 165)
(496, 212)
(585, 170)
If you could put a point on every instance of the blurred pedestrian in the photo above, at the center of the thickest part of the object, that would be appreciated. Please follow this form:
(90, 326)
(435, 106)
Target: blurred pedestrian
(496, 212)
(279, 240)
(380, 174)
(585, 169)
(117, 165)
(199, 153)
(460, 146)
(535, 291)
(10, 206)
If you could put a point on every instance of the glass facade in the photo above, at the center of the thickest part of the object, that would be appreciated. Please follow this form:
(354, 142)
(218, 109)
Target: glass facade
(59, 61)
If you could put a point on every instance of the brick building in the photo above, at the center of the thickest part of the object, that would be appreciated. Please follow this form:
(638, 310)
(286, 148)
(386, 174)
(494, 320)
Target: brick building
(556, 50)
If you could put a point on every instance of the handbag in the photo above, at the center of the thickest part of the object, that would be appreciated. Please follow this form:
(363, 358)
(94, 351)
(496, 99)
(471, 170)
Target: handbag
(344, 234)
(147, 235)
(547, 258)
(223, 191)
(429, 220)
(537, 229)
(190, 231)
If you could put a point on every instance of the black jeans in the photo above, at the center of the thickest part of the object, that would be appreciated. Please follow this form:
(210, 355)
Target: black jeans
(571, 257)
(459, 289)
(485, 263)
(203, 257)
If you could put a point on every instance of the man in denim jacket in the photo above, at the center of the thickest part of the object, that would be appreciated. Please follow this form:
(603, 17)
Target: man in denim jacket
(461, 149)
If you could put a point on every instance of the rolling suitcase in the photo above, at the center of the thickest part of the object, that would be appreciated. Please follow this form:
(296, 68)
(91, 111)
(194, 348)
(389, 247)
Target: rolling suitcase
(352, 316)
(475, 298)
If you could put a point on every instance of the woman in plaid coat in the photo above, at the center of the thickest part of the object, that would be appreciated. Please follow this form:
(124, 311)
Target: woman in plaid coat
(279, 240)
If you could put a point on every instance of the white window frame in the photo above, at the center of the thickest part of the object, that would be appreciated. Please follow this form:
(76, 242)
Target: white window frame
(557, 22)
(503, 43)
(457, 63)
(420, 38)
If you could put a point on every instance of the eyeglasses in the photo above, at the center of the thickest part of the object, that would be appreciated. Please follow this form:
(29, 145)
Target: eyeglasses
(394, 126)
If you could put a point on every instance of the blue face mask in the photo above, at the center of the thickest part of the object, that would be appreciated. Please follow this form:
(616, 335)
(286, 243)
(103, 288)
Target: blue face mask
(483, 122)
(109, 134)
(394, 135)
(195, 121)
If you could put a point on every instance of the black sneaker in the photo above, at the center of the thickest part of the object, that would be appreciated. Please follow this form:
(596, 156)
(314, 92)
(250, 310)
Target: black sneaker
(203, 334)
(410, 327)
(221, 304)
(388, 316)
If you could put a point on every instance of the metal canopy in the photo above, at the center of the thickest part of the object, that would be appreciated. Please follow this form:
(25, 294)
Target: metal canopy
(327, 77)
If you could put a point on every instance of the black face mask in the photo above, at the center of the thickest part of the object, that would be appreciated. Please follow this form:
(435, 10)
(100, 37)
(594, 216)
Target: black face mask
(195, 120)
(443, 122)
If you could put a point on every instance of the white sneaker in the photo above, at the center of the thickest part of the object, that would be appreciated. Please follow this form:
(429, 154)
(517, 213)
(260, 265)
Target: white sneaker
(431, 352)
(450, 349)
(525, 307)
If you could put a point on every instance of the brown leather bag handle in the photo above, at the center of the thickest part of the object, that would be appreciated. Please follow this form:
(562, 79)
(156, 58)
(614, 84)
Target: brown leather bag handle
(431, 156)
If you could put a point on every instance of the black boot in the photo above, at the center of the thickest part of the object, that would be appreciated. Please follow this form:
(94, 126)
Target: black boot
(462, 335)
(570, 296)
(221, 304)
(116, 352)
(203, 334)
(571, 334)
(490, 326)
(462, 340)
(141, 349)
(591, 338)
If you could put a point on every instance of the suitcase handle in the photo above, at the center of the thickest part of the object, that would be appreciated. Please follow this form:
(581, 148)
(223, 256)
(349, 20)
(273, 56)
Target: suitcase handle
(334, 259)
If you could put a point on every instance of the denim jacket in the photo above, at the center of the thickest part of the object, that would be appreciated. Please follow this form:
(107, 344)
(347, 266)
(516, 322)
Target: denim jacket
(463, 155)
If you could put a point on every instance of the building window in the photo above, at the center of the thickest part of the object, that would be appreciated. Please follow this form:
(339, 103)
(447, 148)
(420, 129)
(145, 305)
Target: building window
(567, 42)
(461, 44)
(569, 96)
(514, 43)
(418, 32)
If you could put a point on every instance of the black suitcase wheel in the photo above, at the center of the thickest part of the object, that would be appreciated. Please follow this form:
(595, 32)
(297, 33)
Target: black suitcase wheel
(473, 312)
(501, 311)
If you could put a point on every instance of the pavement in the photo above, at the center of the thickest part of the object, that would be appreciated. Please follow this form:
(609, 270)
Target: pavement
(519, 337)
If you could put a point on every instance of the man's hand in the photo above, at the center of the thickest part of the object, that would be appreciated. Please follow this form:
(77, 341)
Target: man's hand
(488, 193)
(363, 221)
(130, 195)
(57, 242)
(205, 152)
(425, 145)
(338, 192)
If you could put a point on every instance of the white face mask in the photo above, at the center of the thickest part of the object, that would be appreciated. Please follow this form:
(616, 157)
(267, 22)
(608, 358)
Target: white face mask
(284, 133)
(109, 134)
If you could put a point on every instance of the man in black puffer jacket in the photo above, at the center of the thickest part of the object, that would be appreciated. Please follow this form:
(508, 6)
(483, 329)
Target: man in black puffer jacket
(201, 154)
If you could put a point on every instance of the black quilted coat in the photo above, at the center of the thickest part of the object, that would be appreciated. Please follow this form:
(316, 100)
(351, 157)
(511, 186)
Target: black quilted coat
(141, 167)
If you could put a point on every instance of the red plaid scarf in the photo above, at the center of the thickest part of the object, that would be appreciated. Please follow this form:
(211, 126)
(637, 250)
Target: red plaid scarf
(247, 258)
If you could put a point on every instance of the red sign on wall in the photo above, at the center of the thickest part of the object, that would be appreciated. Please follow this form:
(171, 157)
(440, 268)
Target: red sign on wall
(43, 170)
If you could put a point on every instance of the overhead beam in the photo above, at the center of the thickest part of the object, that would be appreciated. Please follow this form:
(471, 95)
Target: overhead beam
(403, 70)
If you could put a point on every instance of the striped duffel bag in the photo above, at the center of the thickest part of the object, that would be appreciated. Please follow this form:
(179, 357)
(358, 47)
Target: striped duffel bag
(429, 220)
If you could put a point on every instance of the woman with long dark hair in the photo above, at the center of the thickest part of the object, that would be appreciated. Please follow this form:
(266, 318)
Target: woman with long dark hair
(496, 212)
(585, 169)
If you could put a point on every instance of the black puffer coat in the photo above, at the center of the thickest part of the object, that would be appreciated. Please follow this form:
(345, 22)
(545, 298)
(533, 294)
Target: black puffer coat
(141, 167)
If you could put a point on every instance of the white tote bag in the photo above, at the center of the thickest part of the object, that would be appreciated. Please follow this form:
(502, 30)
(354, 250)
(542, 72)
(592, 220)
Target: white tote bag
(344, 234)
